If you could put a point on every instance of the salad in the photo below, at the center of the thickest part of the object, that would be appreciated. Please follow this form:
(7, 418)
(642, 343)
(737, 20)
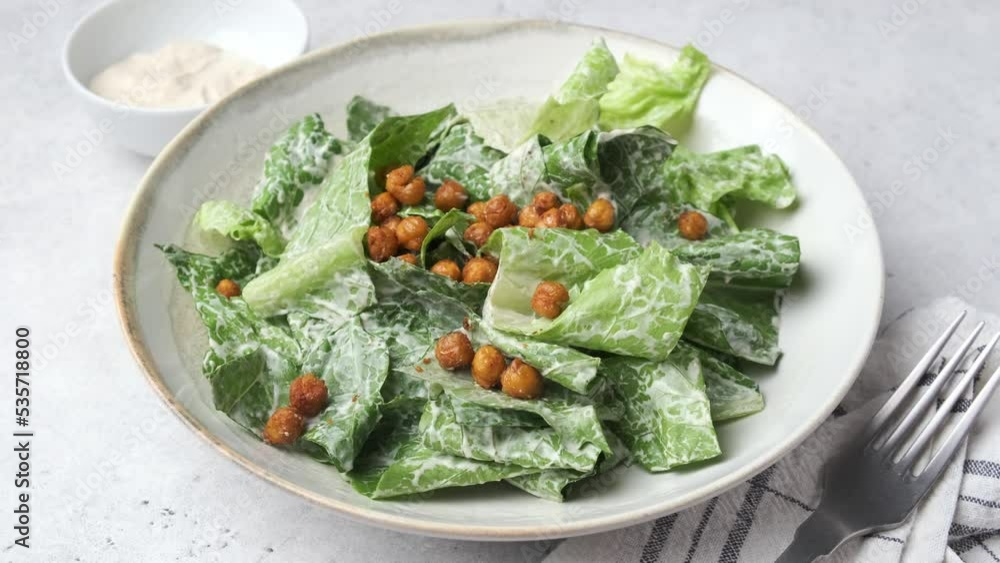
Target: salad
(523, 293)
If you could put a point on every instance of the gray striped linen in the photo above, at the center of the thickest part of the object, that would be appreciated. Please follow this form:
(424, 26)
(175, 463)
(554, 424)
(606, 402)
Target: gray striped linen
(958, 522)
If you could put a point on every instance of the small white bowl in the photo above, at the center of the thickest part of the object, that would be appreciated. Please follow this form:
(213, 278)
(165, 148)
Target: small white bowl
(269, 32)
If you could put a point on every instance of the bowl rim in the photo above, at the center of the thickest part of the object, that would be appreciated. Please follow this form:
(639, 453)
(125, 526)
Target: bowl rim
(81, 89)
(124, 275)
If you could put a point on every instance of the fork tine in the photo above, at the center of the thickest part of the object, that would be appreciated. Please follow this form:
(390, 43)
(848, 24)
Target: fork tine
(910, 457)
(917, 411)
(911, 380)
(943, 456)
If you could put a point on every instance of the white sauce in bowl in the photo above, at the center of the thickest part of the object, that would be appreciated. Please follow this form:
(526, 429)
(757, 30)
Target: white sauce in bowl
(182, 74)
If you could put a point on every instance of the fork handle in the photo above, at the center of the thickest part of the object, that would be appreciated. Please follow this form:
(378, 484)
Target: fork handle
(818, 535)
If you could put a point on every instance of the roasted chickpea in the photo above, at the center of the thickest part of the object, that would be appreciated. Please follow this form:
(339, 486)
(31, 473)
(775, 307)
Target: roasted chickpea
(692, 225)
(477, 210)
(410, 259)
(521, 381)
(479, 270)
(410, 232)
(450, 195)
(545, 201)
(529, 216)
(454, 351)
(228, 288)
(478, 233)
(500, 211)
(404, 186)
(551, 219)
(448, 269)
(391, 222)
(382, 243)
(383, 207)
(487, 365)
(600, 215)
(307, 395)
(549, 299)
(284, 427)
(571, 216)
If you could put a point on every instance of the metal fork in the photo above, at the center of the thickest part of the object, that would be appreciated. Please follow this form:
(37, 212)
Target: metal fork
(875, 484)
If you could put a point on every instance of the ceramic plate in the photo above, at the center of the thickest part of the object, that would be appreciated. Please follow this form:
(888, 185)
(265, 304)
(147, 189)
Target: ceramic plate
(829, 319)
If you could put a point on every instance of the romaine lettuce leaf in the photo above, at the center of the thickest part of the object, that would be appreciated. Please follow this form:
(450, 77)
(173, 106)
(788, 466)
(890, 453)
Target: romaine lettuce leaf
(354, 372)
(363, 115)
(631, 164)
(574, 108)
(552, 484)
(668, 419)
(741, 323)
(704, 180)
(540, 447)
(454, 219)
(249, 362)
(395, 278)
(750, 258)
(397, 426)
(654, 217)
(329, 281)
(643, 93)
(730, 393)
(502, 124)
(519, 174)
(465, 158)
(237, 223)
(572, 168)
(299, 159)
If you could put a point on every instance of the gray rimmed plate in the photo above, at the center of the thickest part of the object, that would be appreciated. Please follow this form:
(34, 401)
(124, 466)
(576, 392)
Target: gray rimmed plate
(829, 319)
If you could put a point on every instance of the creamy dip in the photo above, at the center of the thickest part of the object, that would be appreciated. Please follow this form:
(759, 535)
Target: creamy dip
(182, 74)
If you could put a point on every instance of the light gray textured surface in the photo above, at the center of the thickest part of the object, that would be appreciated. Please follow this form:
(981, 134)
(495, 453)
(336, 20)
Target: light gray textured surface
(904, 91)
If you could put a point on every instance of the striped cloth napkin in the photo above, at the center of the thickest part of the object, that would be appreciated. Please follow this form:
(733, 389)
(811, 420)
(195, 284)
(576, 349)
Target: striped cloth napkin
(958, 522)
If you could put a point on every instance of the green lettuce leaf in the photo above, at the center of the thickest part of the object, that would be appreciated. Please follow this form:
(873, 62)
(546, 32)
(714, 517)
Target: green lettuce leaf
(574, 108)
(298, 160)
(668, 419)
(237, 223)
(465, 158)
(751, 258)
(354, 372)
(543, 448)
(397, 281)
(397, 426)
(504, 123)
(572, 169)
(552, 484)
(730, 393)
(643, 93)
(704, 180)
(741, 323)
(519, 174)
(631, 164)
(454, 220)
(363, 115)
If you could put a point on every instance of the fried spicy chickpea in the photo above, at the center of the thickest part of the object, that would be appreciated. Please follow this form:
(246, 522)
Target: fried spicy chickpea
(529, 216)
(545, 201)
(284, 427)
(600, 215)
(450, 195)
(692, 225)
(487, 366)
(383, 207)
(448, 269)
(478, 233)
(500, 211)
(552, 219)
(477, 210)
(521, 381)
(454, 351)
(549, 299)
(391, 222)
(307, 395)
(571, 216)
(410, 232)
(479, 270)
(410, 259)
(382, 243)
(228, 288)
(404, 186)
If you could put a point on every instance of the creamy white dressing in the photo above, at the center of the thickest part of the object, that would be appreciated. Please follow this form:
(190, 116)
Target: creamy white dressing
(181, 74)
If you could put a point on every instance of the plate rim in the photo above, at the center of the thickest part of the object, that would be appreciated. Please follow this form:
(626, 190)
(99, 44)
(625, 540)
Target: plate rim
(124, 276)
